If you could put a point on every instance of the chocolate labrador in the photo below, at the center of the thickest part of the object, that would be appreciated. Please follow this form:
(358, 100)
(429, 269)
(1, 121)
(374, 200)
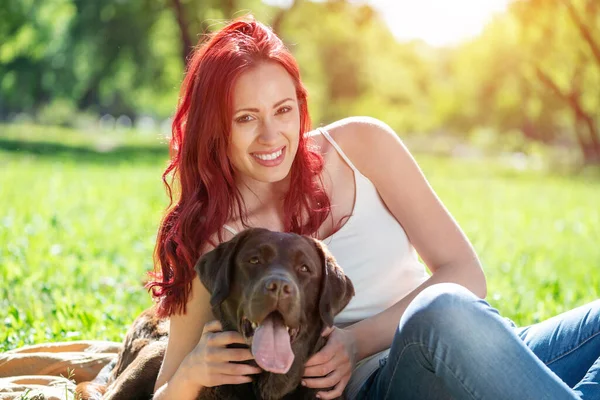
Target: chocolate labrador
(279, 290)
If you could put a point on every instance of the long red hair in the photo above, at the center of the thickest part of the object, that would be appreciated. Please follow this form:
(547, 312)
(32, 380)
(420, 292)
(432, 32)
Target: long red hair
(208, 197)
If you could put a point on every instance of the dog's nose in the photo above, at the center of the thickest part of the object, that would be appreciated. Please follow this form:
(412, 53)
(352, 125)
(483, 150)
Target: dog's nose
(279, 286)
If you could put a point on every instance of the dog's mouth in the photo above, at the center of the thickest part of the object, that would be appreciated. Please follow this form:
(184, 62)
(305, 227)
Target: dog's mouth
(249, 327)
(271, 342)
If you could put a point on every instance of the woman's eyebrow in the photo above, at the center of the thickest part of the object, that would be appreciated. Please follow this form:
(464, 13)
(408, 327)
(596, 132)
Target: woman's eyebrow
(280, 102)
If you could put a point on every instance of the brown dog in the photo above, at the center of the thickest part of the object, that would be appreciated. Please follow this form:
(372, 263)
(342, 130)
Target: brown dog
(279, 290)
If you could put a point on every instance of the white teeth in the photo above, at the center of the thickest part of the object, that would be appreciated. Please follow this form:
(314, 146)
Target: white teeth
(268, 157)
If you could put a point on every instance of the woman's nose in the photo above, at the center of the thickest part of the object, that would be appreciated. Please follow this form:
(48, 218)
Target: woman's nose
(268, 132)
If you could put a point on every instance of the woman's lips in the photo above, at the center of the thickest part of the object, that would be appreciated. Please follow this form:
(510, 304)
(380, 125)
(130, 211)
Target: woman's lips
(270, 159)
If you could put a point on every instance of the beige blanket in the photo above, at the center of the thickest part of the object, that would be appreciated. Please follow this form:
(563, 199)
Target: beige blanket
(51, 371)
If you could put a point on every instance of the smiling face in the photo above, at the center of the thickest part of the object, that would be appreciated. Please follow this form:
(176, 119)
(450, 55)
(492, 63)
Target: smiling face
(265, 125)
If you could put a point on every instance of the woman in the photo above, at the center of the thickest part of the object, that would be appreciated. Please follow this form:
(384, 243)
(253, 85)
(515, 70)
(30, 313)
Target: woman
(244, 156)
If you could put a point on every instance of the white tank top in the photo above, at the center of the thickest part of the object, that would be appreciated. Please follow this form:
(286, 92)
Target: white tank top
(373, 250)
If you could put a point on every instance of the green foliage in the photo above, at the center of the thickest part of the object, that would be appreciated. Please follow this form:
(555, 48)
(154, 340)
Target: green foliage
(60, 112)
(537, 72)
(534, 69)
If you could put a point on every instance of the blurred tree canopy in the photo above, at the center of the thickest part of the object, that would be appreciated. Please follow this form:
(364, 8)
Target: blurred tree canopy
(533, 74)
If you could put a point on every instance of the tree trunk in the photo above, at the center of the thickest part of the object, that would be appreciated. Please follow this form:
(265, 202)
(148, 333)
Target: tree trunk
(90, 94)
(590, 145)
(594, 144)
(186, 40)
(278, 20)
(584, 30)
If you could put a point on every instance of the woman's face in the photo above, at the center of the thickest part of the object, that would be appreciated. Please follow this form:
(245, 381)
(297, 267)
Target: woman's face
(265, 126)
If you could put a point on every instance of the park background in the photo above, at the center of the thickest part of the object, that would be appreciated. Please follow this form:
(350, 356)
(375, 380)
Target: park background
(503, 120)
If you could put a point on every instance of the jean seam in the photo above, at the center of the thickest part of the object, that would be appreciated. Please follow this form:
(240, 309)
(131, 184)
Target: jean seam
(387, 392)
(434, 356)
(573, 349)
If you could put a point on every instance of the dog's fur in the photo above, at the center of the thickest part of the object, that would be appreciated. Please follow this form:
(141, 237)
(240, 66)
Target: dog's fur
(238, 292)
(133, 372)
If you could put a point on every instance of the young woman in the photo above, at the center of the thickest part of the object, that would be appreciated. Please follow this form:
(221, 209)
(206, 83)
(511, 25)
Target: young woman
(244, 155)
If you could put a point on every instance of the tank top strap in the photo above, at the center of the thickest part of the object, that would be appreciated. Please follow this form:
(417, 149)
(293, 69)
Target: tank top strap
(338, 149)
(230, 229)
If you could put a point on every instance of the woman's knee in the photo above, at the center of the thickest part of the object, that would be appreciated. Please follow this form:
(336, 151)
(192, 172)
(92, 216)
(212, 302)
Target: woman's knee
(442, 306)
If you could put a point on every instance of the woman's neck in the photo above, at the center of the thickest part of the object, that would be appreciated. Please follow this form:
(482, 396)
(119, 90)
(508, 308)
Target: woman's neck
(263, 201)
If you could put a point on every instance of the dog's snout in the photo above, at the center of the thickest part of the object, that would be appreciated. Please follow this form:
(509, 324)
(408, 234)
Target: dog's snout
(279, 286)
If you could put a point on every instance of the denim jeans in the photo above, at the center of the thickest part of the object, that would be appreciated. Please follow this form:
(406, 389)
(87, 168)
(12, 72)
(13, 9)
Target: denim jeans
(452, 345)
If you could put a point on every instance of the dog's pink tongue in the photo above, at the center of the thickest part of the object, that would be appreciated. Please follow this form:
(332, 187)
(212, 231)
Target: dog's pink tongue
(271, 345)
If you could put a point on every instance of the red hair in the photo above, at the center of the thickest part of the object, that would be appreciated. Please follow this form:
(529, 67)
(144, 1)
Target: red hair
(208, 195)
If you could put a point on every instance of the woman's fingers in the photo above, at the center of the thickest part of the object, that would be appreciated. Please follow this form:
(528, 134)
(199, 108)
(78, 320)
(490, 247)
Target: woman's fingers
(236, 369)
(323, 356)
(233, 379)
(322, 369)
(218, 364)
(217, 379)
(226, 373)
(324, 382)
(336, 392)
(222, 339)
(237, 355)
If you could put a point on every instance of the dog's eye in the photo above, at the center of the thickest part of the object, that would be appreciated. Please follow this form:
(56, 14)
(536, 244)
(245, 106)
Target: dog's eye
(304, 268)
(254, 260)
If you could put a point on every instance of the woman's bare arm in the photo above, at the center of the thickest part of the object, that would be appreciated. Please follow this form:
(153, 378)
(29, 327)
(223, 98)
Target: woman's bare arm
(380, 155)
(185, 331)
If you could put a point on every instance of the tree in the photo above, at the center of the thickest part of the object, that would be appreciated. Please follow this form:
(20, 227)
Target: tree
(563, 44)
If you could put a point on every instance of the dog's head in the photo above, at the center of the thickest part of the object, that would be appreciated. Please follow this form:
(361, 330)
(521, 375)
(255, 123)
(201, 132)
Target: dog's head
(279, 290)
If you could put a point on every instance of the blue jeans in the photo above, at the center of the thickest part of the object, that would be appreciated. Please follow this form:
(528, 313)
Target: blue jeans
(452, 345)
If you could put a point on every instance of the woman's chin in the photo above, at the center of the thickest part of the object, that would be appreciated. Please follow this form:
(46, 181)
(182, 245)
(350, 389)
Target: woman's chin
(272, 174)
(273, 178)
(254, 172)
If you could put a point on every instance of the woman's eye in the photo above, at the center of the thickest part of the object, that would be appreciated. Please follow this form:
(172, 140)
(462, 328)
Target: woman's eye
(304, 268)
(244, 118)
(283, 110)
(254, 260)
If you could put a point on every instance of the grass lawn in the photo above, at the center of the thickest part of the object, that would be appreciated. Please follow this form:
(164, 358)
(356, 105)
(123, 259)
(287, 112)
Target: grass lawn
(79, 215)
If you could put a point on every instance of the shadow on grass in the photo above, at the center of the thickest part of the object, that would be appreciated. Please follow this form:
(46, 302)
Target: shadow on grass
(87, 153)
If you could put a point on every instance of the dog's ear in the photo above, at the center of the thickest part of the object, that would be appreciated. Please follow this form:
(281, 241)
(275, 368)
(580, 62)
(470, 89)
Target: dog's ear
(336, 288)
(215, 268)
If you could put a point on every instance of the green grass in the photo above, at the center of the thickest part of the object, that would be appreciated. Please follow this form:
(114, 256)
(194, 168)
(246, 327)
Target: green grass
(537, 235)
(78, 222)
(76, 239)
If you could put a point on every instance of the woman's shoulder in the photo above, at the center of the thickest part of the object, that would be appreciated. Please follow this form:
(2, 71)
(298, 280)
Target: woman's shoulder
(357, 136)
(352, 131)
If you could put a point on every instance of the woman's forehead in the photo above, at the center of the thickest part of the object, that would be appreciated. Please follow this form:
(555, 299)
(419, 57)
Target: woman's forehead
(263, 86)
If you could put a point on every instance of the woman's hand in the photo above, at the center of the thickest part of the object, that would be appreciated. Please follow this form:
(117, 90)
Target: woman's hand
(333, 364)
(209, 364)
